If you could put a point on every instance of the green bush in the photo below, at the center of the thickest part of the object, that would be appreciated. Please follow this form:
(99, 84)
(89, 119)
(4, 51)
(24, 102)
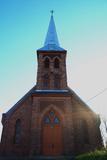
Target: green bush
(96, 155)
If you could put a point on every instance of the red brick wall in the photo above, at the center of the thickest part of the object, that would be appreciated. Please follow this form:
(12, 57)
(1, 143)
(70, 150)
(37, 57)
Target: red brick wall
(31, 113)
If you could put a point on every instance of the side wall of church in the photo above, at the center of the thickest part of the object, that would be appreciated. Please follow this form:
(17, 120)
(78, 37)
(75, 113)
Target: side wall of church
(88, 138)
(22, 113)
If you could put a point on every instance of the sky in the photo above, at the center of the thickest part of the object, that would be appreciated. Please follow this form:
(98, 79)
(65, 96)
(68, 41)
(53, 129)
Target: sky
(82, 30)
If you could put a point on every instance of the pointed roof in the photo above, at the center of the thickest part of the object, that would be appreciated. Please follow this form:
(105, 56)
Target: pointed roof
(51, 40)
(51, 37)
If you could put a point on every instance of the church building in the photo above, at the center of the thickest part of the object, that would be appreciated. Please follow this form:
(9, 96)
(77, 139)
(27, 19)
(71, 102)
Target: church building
(51, 119)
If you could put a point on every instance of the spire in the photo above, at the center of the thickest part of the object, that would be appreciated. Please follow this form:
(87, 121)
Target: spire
(51, 37)
(51, 40)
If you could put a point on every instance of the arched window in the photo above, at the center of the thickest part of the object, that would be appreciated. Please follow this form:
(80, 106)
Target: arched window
(46, 63)
(56, 81)
(17, 135)
(56, 63)
(84, 132)
(51, 119)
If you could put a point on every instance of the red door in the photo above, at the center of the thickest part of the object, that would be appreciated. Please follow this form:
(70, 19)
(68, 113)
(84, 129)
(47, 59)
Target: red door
(52, 139)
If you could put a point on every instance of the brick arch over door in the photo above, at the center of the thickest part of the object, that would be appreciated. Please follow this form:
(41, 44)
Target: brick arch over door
(52, 143)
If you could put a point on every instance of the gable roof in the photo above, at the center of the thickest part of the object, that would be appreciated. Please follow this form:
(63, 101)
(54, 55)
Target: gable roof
(67, 92)
(79, 100)
(12, 109)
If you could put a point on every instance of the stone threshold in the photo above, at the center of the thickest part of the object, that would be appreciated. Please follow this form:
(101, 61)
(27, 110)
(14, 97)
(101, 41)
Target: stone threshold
(39, 158)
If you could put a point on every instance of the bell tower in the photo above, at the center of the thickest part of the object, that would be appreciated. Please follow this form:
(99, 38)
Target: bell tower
(51, 74)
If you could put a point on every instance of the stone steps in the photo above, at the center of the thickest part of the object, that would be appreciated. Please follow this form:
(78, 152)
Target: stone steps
(39, 158)
(53, 158)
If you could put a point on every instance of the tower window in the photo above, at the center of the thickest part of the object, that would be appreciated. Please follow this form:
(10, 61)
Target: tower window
(46, 63)
(17, 135)
(56, 81)
(46, 81)
(56, 63)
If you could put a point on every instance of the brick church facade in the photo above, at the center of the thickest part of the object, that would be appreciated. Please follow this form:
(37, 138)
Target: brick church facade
(50, 120)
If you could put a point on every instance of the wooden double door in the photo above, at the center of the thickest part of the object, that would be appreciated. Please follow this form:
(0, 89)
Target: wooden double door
(52, 134)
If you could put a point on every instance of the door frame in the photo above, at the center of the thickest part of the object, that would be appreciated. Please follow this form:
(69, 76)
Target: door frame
(58, 113)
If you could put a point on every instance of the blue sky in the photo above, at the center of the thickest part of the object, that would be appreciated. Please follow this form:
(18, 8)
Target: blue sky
(82, 30)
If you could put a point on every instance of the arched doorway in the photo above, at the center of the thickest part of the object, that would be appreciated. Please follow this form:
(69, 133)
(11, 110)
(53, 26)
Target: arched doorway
(52, 134)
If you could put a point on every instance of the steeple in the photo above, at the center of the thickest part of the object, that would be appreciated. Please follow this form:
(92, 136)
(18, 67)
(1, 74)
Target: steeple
(51, 73)
(51, 40)
(51, 37)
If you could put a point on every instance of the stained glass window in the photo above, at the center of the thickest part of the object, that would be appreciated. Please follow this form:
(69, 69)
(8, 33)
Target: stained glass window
(52, 113)
(51, 119)
(47, 120)
(56, 120)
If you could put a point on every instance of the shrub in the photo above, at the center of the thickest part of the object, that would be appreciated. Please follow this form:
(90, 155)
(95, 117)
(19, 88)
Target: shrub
(96, 155)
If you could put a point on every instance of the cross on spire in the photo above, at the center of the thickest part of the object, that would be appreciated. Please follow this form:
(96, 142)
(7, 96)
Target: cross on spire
(51, 37)
(52, 11)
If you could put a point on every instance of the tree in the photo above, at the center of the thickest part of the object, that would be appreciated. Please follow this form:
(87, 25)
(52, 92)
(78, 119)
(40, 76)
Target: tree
(104, 129)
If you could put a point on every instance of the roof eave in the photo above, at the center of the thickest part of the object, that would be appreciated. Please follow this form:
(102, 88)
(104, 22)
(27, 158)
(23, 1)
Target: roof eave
(48, 51)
